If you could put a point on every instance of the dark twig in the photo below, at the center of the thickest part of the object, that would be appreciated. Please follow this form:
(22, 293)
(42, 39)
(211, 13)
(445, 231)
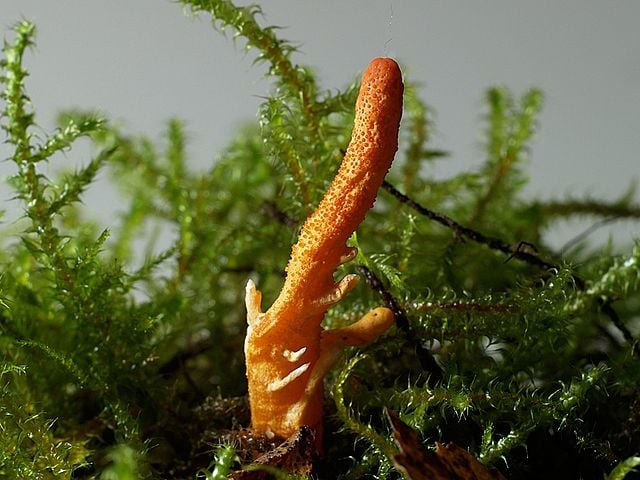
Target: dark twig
(609, 311)
(427, 362)
(271, 209)
(585, 233)
(513, 250)
(468, 307)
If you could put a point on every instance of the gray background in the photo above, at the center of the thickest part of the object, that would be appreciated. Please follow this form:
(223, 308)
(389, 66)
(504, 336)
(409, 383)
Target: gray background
(143, 61)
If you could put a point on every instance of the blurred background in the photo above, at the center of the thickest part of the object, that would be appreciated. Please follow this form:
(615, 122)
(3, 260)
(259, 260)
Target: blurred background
(142, 62)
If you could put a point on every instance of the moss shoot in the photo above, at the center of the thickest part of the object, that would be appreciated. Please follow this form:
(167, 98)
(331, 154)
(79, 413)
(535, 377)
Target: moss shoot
(113, 368)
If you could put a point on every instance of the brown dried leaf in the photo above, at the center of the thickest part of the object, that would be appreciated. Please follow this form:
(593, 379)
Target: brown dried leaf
(294, 455)
(447, 462)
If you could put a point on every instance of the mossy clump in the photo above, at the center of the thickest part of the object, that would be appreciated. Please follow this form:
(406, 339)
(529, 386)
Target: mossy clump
(116, 368)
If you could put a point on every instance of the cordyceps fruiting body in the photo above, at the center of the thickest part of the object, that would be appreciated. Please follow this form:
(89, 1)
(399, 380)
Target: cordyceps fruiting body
(287, 351)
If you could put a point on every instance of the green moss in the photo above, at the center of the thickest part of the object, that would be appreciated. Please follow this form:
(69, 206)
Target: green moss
(112, 368)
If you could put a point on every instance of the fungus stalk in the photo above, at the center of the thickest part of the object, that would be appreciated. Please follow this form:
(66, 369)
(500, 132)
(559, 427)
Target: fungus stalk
(287, 351)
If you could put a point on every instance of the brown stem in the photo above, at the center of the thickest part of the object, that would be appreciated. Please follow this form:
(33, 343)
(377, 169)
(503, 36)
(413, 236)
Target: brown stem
(514, 251)
(426, 359)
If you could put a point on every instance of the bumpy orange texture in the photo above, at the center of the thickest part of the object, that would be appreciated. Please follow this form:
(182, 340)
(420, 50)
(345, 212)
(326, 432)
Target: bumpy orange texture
(287, 352)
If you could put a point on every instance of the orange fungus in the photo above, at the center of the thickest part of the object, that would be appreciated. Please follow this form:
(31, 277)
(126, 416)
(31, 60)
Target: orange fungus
(287, 351)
